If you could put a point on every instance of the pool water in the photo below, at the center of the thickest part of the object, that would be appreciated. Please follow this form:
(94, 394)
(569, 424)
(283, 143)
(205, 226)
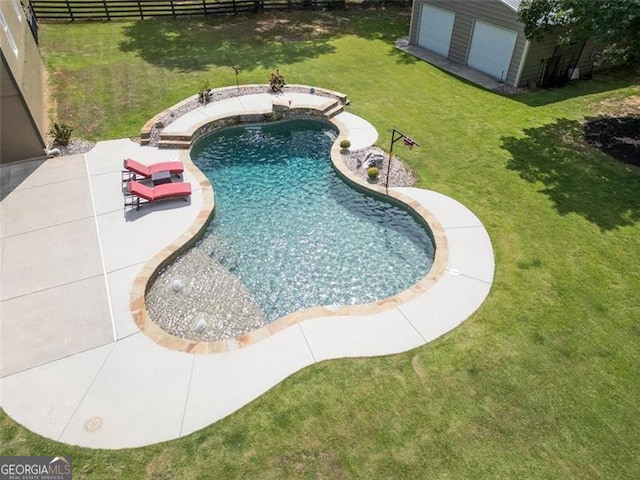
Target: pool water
(296, 234)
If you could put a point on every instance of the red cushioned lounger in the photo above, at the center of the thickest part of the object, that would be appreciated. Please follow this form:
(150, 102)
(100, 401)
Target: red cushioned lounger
(143, 171)
(141, 194)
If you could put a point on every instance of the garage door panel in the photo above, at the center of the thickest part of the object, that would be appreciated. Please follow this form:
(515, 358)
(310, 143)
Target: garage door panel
(491, 49)
(436, 27)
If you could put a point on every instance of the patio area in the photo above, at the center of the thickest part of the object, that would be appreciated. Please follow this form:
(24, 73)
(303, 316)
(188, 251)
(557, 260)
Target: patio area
(76, 368)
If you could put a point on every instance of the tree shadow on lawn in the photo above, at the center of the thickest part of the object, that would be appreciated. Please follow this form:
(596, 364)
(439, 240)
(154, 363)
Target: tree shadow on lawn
(263, 40)
(577, 178)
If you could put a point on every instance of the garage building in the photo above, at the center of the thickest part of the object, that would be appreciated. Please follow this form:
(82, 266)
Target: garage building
(486, 35)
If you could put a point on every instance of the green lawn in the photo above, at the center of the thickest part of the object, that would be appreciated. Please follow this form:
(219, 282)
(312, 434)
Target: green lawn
(542, 382)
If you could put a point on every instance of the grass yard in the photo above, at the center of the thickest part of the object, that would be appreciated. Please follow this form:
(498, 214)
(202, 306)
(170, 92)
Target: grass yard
(542, 382)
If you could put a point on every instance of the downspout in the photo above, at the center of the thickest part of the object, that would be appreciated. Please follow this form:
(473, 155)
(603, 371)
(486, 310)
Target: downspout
(523, 60)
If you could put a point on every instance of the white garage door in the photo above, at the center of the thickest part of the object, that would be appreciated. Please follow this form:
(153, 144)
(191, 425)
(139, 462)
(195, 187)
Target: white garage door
(491, 49)
(436, 26)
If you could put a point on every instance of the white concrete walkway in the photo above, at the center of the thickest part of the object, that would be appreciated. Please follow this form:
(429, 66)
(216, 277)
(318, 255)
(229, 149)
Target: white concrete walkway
(101, 382)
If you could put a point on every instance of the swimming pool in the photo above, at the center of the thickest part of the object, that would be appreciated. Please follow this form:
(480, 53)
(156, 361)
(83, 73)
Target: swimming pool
(291, 232)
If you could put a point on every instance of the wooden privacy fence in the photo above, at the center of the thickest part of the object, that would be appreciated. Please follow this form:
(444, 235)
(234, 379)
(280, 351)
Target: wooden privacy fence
(113, 9)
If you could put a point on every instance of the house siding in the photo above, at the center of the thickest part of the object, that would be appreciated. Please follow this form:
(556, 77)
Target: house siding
(501, 15)
(23, 110)
(538, 51)
(543, 49)
(493, 12)
(585, 64)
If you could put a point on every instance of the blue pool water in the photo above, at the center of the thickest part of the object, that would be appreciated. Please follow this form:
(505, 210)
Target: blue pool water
(293, 231)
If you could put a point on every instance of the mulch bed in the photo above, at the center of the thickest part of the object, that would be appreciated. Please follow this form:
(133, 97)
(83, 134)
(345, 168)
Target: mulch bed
(616, 136)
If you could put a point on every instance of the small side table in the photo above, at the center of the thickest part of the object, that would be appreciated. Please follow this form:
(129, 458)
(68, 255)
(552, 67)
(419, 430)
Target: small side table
(159, 178)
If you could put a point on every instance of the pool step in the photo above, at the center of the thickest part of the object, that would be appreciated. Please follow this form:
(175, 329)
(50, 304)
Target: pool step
(334, 109)
(174, 143)
(145, 137)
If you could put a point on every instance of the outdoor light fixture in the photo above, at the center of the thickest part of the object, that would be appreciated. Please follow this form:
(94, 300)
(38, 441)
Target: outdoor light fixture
(408, 141)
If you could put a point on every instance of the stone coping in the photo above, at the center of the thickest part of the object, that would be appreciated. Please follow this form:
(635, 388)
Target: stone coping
(188, 238)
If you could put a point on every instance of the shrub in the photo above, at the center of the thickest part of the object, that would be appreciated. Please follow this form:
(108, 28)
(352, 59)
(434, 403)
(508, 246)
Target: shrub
(373, 172)
(276, 80)
(61, 134)
(345, 144)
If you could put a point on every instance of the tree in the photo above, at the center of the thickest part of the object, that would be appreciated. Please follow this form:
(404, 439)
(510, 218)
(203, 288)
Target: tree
(613, 23)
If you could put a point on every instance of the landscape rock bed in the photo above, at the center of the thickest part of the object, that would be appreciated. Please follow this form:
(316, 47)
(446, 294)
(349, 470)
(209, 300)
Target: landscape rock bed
(76, 146)
(399, 176)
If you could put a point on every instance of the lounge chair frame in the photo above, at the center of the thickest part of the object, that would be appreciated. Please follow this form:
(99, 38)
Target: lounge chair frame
(136, 200)
(132, 173)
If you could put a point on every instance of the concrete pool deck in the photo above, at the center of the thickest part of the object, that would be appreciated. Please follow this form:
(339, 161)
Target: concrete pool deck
(74, 365)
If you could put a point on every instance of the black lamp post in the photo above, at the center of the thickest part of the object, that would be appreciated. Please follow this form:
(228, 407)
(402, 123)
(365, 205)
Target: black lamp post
(395, 136)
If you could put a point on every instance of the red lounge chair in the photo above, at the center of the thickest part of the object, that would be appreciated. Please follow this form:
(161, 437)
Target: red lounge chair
(137, 170)
(140, 194)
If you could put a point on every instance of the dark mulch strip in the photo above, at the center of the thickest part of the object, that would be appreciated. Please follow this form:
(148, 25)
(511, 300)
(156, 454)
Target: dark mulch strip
(617, 136)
